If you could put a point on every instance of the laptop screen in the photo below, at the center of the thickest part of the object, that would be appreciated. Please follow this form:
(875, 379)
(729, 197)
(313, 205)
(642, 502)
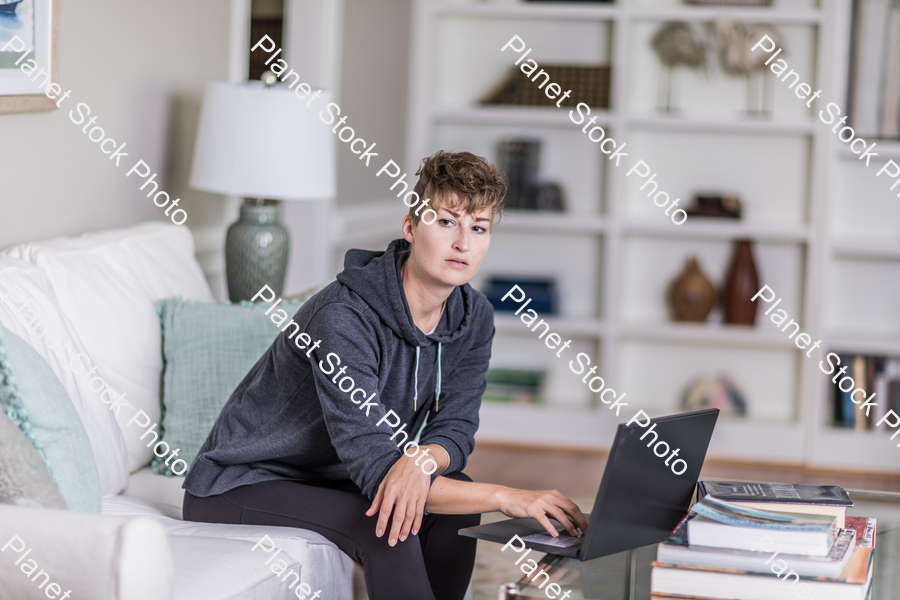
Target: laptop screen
(641, 498)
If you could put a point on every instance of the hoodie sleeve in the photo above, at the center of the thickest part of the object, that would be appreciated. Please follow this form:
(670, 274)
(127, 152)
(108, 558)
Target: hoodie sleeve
(454, 424)
(350, 351)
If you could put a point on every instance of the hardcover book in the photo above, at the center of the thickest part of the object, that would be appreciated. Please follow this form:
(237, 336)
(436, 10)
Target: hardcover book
(798, 493)
(723, 525)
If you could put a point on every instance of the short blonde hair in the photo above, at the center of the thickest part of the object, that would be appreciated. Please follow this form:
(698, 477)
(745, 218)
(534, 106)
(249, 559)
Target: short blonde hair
(472, 181)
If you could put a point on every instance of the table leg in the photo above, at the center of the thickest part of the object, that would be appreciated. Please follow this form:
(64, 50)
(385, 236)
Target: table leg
(507, 591)
(630, 574)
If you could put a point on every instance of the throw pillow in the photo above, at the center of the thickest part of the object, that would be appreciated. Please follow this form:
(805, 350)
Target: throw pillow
(208, 348)
(24, 478)
(34, 399)
(28, 310)
(107, 283)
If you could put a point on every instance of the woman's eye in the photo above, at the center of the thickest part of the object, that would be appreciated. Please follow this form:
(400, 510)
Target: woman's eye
(445, 222)
(479, 229)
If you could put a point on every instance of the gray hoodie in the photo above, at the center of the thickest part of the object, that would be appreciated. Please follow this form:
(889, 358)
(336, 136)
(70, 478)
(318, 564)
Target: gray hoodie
(289, 420)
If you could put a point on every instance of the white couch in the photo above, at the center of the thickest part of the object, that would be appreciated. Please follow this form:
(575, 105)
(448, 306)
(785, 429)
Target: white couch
(139, 548)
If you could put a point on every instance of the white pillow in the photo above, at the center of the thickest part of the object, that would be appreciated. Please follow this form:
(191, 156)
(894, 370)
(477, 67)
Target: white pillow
(27, 310)
(107, 283)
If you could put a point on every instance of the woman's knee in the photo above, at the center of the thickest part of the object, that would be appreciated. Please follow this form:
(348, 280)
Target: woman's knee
(211, 509)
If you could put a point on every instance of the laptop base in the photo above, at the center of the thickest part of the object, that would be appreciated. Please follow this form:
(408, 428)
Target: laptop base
(503, 531)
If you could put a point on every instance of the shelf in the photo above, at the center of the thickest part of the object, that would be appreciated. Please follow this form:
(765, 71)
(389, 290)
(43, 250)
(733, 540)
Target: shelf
(564, 12)
(595, 429)
(884, 149)
(584, 328)
(720, 229)
(810, 16)
(757, 127)
(866, 250)
(834, 447)
(551, 222)
(707, 333)
(608, 12)
(533, 116)
(862, 344)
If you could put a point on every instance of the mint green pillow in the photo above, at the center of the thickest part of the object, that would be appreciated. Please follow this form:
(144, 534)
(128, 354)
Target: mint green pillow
(208, 348)
(35, 400)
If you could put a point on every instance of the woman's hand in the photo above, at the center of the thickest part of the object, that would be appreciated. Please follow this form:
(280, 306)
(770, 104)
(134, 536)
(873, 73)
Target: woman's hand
(542, 505)
(404, 491)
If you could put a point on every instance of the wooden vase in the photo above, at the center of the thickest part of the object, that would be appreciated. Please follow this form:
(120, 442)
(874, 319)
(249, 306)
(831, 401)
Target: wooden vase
(692, 295)
(740, 286)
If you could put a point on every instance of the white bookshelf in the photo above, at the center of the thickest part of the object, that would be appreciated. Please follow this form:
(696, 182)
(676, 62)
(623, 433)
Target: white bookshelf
(613, 252)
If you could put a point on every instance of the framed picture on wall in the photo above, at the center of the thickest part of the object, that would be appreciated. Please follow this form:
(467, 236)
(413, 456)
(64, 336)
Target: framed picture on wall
(29, 54)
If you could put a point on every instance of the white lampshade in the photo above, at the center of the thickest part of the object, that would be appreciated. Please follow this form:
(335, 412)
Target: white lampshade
(263, 143)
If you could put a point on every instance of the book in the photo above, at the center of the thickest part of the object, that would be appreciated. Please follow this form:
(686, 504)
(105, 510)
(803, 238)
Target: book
(723, 525)
(519, 386)
(880, 387)
(781, 497)
(853, 583)
(676, 550)
(858, 373)
(710, 582)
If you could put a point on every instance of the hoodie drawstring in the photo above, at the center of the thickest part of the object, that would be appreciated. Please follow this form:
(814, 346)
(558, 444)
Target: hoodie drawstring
(437, 391)
(416, 383)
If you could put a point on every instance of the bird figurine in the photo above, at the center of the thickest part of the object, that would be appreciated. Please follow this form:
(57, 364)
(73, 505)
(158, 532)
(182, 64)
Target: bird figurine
(735, 40)
(677, 43)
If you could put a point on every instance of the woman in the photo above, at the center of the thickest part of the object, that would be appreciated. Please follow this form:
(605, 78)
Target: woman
(408, 343)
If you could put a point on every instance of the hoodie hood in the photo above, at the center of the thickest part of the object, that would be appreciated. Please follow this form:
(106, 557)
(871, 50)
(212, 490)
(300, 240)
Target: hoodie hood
(375, 277)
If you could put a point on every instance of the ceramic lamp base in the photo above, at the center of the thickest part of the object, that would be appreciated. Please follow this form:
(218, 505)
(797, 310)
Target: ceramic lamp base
(256, 251)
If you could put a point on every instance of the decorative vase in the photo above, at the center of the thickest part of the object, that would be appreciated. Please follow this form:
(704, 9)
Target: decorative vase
(692, 295)
(740, 286)
(256, 251)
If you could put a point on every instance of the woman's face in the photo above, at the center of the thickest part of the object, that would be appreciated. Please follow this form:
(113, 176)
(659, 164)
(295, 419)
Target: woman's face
(449, 250)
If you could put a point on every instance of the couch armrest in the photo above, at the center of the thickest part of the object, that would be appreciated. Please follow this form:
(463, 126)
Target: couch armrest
(90, 556)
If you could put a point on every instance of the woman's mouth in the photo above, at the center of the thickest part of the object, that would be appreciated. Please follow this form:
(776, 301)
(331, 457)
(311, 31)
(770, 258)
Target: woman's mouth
(457, 263)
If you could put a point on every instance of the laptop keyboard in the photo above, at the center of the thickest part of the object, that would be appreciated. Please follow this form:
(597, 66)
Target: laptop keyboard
(563, 541)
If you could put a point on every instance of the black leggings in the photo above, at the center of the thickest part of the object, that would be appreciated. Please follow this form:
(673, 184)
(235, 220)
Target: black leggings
(438, 567)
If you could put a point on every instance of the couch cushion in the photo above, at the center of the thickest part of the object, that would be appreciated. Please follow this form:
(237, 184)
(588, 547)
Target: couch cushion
(28, 310)
(208, 349)
(200, 572)
(31, 394)
(163, 491)
(24, 478)
(106, 284)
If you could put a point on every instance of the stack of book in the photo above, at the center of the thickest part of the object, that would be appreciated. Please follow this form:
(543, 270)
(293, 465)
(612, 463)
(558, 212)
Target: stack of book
(802, 546)
(875, 374)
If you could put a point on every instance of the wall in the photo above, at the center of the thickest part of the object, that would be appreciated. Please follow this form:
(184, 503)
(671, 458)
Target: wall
(374, 69)
(141, 68)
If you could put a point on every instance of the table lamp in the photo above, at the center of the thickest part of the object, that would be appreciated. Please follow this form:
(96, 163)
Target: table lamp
(260, 141)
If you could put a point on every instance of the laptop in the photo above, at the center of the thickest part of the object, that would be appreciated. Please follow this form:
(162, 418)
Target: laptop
(640, 500)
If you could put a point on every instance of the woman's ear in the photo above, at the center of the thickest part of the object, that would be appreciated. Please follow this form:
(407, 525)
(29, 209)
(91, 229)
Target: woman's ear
(408, 229)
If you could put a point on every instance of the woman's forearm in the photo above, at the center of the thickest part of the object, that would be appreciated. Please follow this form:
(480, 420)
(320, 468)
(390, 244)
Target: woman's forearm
(452, 497)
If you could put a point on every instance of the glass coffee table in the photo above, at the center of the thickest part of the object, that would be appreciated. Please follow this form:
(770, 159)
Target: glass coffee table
(626, 575)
